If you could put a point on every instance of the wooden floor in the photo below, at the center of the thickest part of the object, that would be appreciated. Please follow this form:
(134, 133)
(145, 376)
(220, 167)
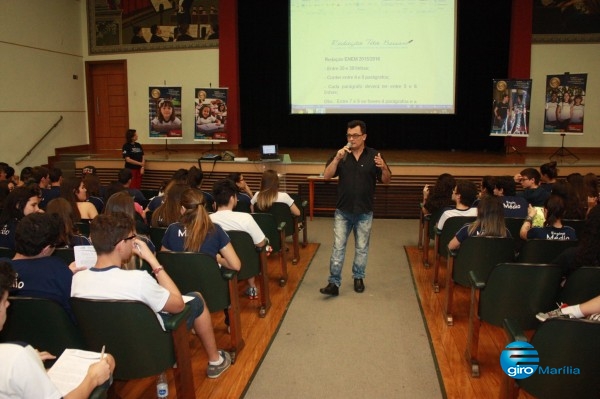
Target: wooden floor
(257, 333)
(449, 342)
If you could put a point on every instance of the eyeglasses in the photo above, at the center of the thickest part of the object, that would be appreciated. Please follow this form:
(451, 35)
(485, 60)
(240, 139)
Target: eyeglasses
(131, 237)
(353, 136)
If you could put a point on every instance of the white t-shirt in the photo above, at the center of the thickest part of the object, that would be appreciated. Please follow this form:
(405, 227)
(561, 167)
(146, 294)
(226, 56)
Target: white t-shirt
(455, 212)
(22, 374)
(281, 197)
(116, 283)
(230, 220)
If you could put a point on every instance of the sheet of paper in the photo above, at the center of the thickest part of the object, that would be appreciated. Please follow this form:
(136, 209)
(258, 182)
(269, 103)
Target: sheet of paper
(85, 255)
(70, 369)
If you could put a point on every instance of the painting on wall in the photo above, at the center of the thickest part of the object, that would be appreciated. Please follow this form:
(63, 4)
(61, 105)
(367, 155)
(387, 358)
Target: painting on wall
(557, 21)
(117, 26)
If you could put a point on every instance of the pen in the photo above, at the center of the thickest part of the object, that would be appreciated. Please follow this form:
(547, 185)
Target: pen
(102, 352)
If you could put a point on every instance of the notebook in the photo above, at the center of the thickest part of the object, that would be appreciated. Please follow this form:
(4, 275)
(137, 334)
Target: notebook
(268, 152)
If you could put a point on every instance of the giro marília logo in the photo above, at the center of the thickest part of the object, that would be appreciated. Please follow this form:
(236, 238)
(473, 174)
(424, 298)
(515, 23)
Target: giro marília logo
(519, 360)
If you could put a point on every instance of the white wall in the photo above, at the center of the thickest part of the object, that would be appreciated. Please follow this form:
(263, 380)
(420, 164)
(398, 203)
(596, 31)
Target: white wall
(41, 49)
(549, 59)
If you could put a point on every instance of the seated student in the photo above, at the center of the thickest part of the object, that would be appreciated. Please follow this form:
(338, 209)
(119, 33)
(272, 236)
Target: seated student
(73, 190)
(514, 206)
(94, 190)
(68, 236)
(39, 274)
(244, 193)
(486, 187)
(575, 205)
(180, 176)
(269, 193)
(440, 195)
(533, 193)
(225, 192)
(489, 222)
(22, 373)
(123, 202)
(197, 233)
(114, 240)
(548, 175)
(90, 170)
(553, 227)
(587, 251)
(21, 202)
(124, 177)
(464, 194)
(589, 309)
(53, 190)
(194, 179)
(170, 210)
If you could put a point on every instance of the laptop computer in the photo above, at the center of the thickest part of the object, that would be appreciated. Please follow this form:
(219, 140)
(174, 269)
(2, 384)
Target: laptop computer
(269, 152)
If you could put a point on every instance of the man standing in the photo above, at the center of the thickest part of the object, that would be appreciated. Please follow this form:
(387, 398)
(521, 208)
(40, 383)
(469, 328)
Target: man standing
(358, 168)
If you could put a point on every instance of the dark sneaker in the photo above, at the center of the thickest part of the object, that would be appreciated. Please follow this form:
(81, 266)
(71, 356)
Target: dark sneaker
(331, 289)
(216, 371)
(252, 292)
(359, 285)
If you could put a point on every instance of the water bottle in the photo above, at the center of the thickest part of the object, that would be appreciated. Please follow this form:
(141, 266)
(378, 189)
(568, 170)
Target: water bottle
(162, 387)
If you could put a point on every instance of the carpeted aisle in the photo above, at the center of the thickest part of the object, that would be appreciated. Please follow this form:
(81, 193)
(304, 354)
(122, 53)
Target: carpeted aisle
(372, 345)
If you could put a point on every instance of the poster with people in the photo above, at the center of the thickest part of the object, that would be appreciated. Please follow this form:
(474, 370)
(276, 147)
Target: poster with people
(510, 107)
(211, 114)
(565, 103)
(164, 112)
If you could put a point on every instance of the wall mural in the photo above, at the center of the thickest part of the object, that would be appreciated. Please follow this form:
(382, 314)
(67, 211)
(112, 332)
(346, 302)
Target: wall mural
(116, 26)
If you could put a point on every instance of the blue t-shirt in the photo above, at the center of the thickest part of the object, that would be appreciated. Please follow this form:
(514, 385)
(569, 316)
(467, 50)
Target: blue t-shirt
(552, 233)
(463, 233)
(7, 234)
(215, 240)
(514, 207)
(155, 202)
(47, 277)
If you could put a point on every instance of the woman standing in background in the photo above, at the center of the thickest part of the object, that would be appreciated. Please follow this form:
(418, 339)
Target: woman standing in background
(133, 153)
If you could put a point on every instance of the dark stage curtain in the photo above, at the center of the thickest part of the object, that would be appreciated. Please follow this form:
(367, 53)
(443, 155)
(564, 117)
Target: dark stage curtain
(482, 55)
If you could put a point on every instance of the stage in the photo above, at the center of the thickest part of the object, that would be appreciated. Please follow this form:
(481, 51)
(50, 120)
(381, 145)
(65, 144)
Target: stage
(411, 169)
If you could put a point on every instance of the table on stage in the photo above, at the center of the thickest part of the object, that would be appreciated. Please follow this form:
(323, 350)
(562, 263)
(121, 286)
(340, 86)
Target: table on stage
(311, 194)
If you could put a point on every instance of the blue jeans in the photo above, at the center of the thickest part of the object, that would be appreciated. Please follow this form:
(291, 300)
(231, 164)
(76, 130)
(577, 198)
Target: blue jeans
(197, 307)
(343, 224)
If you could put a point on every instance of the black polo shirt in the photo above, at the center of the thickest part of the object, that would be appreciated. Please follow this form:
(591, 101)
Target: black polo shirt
(357, 179)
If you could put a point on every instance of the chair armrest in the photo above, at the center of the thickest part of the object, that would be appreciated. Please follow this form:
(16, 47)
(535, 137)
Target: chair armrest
(475, 281)
(173, 322)
(101, 391)
(514, 331)
(228, 274)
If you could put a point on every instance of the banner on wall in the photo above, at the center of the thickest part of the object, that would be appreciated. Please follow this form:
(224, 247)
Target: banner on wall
(164, 112)
(510, 107)
(211, 115)
(565, 103)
